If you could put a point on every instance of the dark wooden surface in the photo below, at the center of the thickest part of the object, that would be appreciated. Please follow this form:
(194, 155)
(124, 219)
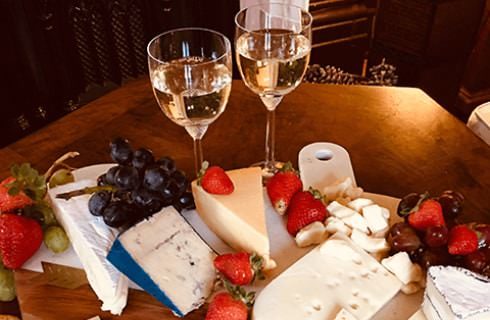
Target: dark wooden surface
(399, 141)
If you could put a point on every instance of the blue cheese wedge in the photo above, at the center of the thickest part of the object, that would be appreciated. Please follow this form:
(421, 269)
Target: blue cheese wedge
(91, 239)
(168, 259)
(454, 293)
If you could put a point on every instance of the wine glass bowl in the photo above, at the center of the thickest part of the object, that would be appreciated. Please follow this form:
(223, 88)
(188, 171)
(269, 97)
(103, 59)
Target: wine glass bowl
(273, 44)
(191, 74)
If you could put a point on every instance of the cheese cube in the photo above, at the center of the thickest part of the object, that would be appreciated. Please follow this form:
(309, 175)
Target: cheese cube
(359, 203)
(402, 267)
(376, 221)
(386, 213)
(334, 225)
(168, 259)
(368, 243)
(314, 233)
(338, 189)
(356, 221)
(339, 211)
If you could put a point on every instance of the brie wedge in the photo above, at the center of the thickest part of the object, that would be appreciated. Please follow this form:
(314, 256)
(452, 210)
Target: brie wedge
(91, 239)
(238, 218)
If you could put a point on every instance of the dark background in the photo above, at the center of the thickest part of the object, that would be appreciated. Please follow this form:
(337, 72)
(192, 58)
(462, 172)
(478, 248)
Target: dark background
(60, 54)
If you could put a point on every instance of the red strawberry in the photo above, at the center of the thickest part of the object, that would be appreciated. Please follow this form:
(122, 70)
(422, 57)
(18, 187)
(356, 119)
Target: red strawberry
(303, 210)
(9, 202)
(215, 180)
(429, 214)
(462, 240)
(282, 186)
(225, 307)
(239, 268)
(20, 238)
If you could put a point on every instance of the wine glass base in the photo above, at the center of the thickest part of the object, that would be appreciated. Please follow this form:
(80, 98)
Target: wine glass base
(269, 170)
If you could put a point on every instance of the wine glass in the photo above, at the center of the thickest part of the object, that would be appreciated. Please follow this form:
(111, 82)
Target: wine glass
(273, 44)
(190, 72)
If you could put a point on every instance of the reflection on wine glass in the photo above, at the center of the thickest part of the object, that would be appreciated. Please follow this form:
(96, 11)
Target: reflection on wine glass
(190, 72)
(273, 44)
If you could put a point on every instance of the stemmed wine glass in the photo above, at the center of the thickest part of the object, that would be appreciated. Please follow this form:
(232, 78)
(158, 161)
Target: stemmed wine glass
(273, 44)
(190, 72)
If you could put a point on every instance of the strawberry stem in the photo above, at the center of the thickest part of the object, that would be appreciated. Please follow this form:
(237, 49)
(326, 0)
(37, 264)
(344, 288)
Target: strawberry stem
(200, 174)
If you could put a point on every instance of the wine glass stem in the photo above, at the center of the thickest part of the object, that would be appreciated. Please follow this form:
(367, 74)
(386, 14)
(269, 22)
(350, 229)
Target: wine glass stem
(198, 159)
(270, 132)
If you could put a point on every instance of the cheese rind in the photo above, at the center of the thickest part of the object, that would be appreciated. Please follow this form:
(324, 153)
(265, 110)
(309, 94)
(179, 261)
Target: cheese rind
(91, 239)
(238, 218)
(335, 275)
(168, 259)
(456, 293)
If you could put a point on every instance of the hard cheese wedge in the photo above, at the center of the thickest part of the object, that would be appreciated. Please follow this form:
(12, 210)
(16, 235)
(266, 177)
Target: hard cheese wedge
(168, 259)
(91, 239)
(456, 293)
(334, 276)
(238, 218)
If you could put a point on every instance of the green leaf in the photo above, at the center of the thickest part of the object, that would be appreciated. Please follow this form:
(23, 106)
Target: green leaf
(14, 190)
(14, 170)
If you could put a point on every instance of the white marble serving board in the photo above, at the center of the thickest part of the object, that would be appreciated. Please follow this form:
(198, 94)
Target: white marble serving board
(283, 247)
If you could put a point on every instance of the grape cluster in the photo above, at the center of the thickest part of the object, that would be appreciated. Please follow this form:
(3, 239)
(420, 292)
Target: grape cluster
(138, 186)
(429, 247)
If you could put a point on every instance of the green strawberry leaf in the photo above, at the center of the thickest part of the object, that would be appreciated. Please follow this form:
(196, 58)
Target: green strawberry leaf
(204, 167)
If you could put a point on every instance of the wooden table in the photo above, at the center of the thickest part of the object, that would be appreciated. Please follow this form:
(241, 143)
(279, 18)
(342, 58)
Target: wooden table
(399, 140)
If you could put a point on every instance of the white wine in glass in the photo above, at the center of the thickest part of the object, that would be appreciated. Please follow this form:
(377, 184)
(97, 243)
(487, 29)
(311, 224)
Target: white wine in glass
(190, 72)
(273, 44)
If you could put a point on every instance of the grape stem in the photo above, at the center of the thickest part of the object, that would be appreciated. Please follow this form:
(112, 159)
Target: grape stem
(59, 162)
(81, 192)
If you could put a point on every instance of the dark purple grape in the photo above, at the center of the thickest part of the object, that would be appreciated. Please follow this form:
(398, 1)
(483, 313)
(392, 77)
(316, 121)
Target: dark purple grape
(455, 194)
(185, 202)
(127, 178)
(155, 179)
(476, 261)
(121, 151)
(110, 176)
(118, 213)
(167, 164)
(407, 204)
(399, 227)
(150, 201)
(451, 206)
(178, 179)
(98, 202)
(436, 236)
(101, 180)
(434, 257)
(124, 195)
(142, 158)
(407, 241)
(484, 235)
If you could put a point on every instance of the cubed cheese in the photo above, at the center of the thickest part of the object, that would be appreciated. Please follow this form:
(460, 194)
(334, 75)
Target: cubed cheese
(368, 243)
(314, 233)
(356, 221)
(334, 225)
(359, 203)
(339, 211)
(375, 219)
(402, 267)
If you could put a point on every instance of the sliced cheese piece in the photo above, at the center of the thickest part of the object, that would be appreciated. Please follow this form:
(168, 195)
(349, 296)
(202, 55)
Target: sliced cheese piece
(370, 244)
(356, 221)
(334, 225)
(335, 275)
(375, 219)
(359, 203)
(168, 259)
(238, 218)
(386, 213)
(91, 239)
(339, 211)
(455, 293)
(337, 189)
(314, 233)
(402, 267)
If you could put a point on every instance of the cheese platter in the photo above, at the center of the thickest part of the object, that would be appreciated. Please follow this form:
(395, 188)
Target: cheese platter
(349, 273)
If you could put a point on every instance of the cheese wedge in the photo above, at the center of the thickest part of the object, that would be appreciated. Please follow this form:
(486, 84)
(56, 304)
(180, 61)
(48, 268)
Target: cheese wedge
(238, 218)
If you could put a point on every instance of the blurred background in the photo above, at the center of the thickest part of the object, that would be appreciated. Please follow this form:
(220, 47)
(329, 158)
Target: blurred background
(60, 54)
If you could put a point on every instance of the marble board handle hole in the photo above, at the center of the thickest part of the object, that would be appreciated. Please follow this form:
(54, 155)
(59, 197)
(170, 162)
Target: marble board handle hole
(324, 154)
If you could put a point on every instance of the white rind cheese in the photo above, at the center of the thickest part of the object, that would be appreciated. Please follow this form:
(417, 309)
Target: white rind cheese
(91, 239)
(454, 293)
(168, 259)
(335, 275)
